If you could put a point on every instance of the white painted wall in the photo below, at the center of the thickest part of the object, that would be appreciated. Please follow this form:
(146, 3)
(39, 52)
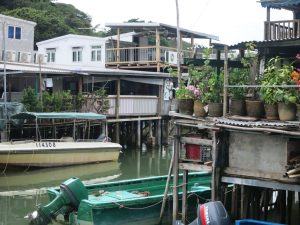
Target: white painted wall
(64, 45)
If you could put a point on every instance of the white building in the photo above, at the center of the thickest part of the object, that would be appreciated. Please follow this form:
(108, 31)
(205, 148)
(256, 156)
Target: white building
(19, 39)
(76, 51)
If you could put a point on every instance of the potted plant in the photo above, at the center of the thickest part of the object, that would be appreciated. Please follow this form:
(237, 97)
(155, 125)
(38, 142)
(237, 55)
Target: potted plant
(268, 93)
(213, 95)
(254, 105)
(238, 76)
(285, 97)
(185, 100)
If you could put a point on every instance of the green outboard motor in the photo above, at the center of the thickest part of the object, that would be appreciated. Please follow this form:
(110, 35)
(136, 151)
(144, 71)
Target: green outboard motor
(72, 191)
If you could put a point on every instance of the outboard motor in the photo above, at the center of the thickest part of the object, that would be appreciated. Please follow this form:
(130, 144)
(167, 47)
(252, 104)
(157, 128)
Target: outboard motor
(71, 193)
(211, 213)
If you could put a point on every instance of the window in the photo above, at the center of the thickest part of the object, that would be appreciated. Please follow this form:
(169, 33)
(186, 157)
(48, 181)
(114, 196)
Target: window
(96, 53)
(14, 32)
(77, 54)
(50, 54)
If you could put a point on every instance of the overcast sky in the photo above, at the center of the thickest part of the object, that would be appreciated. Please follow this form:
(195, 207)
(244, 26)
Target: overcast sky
(233, 21)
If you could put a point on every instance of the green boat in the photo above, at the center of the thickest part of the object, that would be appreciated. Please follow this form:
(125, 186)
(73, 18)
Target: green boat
(136, 201)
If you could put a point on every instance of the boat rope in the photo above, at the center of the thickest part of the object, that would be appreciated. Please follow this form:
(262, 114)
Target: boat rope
(7, 159)
(29, 164)
(126, 207)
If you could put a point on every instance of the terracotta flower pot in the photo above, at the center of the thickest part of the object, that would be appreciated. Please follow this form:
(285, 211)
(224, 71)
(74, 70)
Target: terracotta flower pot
(287, 112)
(185, 106)
(271, 111)
(255, 108)
(199, 110)
(215, 109)
(237, 107)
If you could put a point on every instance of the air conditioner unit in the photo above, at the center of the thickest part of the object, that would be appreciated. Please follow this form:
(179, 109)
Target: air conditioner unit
(10, 56)
(171, 57)
(41, 58)
(25, 57)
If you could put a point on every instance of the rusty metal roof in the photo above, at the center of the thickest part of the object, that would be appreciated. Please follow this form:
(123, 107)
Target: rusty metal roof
(290, 125)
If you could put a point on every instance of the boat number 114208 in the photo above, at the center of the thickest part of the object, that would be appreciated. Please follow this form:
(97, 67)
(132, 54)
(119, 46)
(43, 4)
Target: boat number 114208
(45, 144)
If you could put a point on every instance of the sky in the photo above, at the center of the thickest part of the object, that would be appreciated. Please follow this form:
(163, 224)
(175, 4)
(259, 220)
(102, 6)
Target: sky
(233, 21)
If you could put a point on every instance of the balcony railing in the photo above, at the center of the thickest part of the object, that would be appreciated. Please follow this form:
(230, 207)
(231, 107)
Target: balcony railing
(141, 55)
(282, 30)
(130, 105)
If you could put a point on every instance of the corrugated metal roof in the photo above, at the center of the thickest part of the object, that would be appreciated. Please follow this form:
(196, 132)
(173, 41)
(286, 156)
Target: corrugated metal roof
(32, 68)
(260, 123)
(82, 70)
(171, 30)
(279, 3)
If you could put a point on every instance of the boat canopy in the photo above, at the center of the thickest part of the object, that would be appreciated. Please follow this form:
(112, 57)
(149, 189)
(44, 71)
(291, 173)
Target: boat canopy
(59, 115)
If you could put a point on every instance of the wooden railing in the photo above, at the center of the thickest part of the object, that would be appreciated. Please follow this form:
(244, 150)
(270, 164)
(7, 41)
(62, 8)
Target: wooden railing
(282, 30)
(141, 55)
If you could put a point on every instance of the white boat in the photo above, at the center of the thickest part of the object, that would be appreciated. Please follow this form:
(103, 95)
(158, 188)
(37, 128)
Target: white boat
(57, 152)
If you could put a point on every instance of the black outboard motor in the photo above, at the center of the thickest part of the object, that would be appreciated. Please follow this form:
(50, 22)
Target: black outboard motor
(211, 213)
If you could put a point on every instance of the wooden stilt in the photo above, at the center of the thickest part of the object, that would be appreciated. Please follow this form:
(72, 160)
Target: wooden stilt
(139, 135)
(282, 206)
(184, 196)
(290, 199)
(175, 174)
(266, 200)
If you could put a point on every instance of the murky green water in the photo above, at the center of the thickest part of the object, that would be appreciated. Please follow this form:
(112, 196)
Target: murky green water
(21, 191)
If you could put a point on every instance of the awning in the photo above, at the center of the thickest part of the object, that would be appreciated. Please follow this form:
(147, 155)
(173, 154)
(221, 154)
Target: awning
(59, 115)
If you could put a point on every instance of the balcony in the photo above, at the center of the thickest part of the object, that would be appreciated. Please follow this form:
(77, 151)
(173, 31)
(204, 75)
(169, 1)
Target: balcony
(148, 56)
(282, 30)
(130, 105)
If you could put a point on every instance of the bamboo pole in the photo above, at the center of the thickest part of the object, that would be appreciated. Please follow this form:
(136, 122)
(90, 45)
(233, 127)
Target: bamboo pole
(175, 174)
(225, 89)
(166, 189)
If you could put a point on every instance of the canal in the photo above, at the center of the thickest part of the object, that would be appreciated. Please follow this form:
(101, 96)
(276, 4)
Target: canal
(22, 190)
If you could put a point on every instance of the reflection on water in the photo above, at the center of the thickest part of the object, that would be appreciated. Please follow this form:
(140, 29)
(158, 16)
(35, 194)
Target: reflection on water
(21, 191)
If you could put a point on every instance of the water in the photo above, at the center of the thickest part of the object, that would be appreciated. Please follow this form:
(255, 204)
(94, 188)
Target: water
(21, 191)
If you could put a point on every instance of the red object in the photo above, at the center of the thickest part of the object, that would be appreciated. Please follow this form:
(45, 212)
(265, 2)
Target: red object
(192, 151)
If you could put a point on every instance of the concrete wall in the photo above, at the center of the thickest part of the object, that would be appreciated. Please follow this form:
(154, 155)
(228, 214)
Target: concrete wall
(63, 46)
(23, 45)
(257, 154)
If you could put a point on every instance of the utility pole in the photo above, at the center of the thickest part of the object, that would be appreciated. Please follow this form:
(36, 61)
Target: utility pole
(4, 78)
(178, 45)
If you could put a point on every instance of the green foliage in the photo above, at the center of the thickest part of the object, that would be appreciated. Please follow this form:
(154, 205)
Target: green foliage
(55, 102)
(53, 19)
(31, 100)
(238, 76)
(215, 87)
(277, 74)
(100, 97)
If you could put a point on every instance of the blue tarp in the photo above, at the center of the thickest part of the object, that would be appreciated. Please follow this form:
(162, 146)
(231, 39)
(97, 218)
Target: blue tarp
(279, 3)
(12, 108)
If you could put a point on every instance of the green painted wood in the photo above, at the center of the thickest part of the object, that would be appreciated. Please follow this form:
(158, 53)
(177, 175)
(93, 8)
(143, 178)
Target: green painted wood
(136, 201)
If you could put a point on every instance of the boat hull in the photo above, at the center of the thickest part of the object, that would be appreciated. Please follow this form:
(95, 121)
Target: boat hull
(135, 201)
(53, 154)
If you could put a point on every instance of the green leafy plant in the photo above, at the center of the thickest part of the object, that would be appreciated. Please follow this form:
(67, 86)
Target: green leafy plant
(238, 76)
(215, 87)
(277, 74)
(30, 100)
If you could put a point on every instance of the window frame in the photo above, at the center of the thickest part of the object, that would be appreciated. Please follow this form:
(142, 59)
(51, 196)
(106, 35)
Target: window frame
(96, 53)
(14, 32)
(77, 54)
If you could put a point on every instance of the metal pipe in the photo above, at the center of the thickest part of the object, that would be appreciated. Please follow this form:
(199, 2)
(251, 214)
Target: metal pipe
(4, 78)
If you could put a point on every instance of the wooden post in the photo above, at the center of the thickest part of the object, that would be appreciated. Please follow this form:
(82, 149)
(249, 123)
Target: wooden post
(118, 47)
(139, 135)
(117, 110)
(184, 196)
(225, 90)
(175, 173)
(159, 132)
(157, 48)
(215, 170)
